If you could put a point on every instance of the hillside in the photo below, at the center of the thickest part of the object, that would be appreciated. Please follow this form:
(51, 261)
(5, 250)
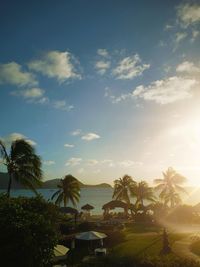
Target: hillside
(49, 184)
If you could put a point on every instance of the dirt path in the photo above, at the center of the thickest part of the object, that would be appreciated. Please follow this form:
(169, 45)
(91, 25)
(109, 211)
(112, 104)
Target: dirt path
(182, 249)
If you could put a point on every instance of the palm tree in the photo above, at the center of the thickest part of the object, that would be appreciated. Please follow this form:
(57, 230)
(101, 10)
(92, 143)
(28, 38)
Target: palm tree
(169, 186)
(69, 190)
(172, 197)
(123, 188)
(142, 192)
(23, 165)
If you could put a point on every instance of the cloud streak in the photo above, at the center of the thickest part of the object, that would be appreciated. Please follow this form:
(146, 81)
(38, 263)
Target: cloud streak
(130, 67)
(90, 136)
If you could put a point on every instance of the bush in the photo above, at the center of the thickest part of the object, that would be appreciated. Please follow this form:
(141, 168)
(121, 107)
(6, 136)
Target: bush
(182, 214)
(28, 231)
(86, 226)
(112, 260)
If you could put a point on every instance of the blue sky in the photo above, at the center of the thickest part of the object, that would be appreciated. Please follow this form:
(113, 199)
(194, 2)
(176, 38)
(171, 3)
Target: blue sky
(103, 88)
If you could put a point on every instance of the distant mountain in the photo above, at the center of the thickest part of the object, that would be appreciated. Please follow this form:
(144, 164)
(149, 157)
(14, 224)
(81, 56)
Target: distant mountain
(49, 184)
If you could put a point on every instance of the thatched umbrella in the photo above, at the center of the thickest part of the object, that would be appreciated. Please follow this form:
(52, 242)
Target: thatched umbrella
(87, 207)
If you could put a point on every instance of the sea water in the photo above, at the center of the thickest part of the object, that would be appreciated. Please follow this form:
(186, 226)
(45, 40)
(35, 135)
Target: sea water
(96, 197)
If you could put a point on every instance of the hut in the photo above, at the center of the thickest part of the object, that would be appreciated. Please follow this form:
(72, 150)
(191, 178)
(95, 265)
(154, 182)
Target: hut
(114, 204)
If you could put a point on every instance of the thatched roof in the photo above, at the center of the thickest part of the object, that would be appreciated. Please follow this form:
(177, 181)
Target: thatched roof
(68, 210)
(115, 204)
(87, 207)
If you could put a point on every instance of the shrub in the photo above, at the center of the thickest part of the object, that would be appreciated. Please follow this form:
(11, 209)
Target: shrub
(28, 231)
(112, 260)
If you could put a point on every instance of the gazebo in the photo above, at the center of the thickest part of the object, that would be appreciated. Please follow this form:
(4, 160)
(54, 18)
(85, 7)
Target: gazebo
(115, 204)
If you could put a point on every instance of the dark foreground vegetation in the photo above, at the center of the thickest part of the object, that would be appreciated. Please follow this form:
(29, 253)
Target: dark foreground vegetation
(28, 231)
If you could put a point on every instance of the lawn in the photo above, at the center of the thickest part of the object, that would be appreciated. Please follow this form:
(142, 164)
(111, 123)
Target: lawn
(143, 244)
(195, 247)
(140, 240)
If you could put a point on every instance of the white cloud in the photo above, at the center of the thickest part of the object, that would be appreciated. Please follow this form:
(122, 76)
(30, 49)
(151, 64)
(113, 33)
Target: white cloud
(102, 52)
(73, 162)
(92, 162)
(32, 93)
(68, 145)
(56, 64)
(102, 66)
(166, 91)
(17, 136)
(76, 132)
(12, 73)
(43, 100)
(90, 136)
(62, 105)
(116, 99)
(130, 163)
(187, 67)
(130, 67)
(195, 34)
(180, 36)
(168, 27)
(108, 162)
(188, 14)
(49, 162)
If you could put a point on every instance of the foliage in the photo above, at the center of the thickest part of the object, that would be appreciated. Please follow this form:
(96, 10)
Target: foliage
(160, 211)
(183, 214)
(164, 261)
(123, 188)
(86, 226)
(69, 190)
(142, 192)
(22, 164)
(169, 187)
(28, 231)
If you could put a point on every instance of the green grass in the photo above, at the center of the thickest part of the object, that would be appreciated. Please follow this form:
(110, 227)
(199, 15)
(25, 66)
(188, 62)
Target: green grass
(195, 247)
(140, 245)
(142, 228)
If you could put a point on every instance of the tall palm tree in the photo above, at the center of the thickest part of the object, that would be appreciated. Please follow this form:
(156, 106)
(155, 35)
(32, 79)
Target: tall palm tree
(173, 198)
(170, 186)
(69, 190)
(23, 165)
(142, 192)
(123, 188)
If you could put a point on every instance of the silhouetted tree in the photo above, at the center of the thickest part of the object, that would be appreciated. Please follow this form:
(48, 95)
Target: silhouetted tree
(22, 164)
(69, 190)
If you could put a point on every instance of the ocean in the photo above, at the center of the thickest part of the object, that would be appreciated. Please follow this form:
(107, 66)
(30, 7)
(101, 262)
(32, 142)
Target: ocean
(96, 197)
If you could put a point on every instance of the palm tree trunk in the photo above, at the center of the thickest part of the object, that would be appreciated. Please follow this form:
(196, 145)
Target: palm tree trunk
(9, 184)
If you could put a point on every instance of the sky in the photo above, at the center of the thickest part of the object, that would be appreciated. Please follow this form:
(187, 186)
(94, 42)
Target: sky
(103, 88)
